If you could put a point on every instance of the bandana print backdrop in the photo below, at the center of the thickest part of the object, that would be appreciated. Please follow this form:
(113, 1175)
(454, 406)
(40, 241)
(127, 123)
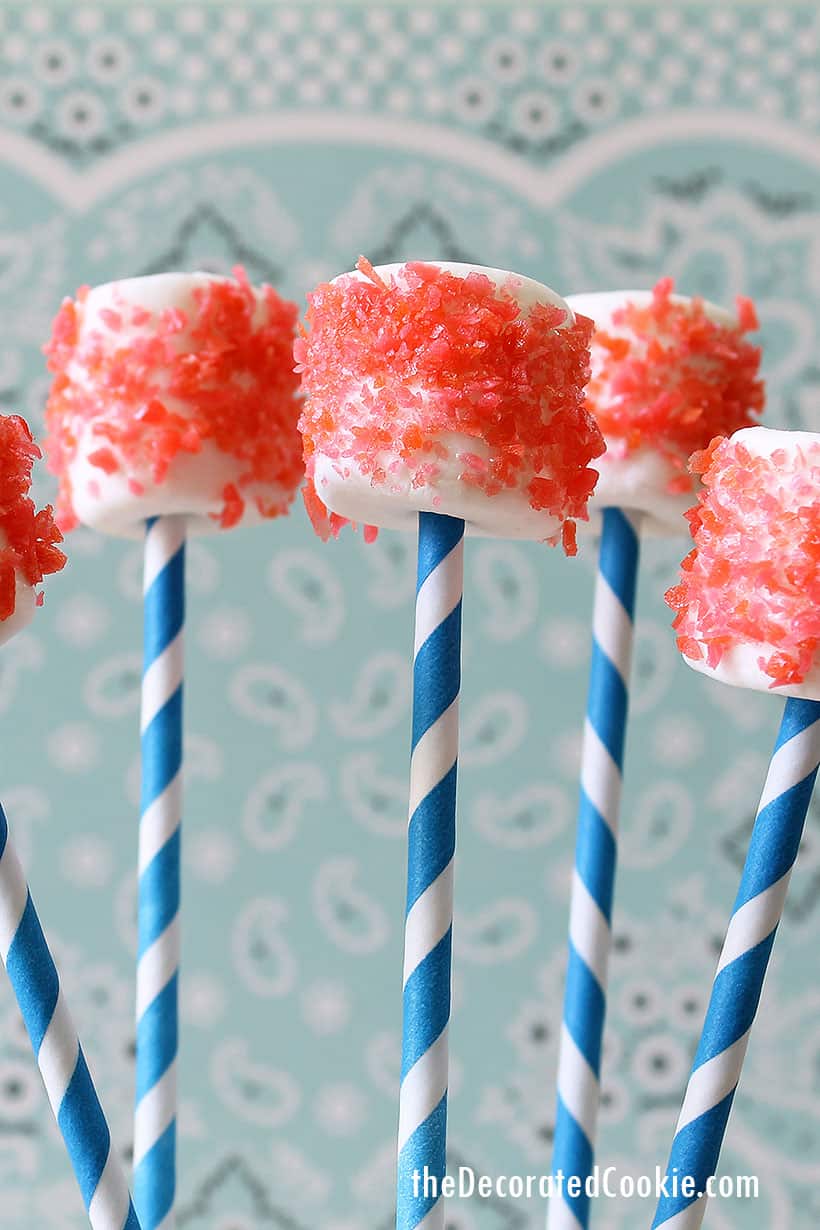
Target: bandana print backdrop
(589, 147)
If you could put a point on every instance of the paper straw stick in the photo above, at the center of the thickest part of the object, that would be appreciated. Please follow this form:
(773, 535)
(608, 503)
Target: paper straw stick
(159, 873)
(579, 1056)
(431, 846)
(775, 839)
(57, 1049)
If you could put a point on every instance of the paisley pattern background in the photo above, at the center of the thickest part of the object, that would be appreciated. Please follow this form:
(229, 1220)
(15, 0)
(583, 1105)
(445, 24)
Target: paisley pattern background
(589, 146)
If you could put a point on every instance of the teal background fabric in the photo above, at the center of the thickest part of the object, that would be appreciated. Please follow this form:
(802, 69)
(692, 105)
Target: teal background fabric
(588, 146)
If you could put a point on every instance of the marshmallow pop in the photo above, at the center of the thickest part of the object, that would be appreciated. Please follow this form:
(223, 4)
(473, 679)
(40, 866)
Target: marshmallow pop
(748, 613)
(28, 552)
(440, 396)
(173, 409)
(668, 374)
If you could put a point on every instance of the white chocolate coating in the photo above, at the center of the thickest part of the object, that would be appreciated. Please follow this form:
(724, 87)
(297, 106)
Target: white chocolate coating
(765, 441)
(395, 504)
(637, 481)
(192, 488)
(194, 483)
(739, 668)
(739, 665)
(25, 604)
(527, 291)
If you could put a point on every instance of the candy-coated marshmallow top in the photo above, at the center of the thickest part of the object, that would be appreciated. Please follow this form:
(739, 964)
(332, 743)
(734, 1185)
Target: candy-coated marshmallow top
(668, 374)
(447, 388)
(748, 602)
(174, 394)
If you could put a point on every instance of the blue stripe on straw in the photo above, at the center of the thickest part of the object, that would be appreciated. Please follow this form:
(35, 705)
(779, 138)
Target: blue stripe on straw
(426, 1002)
(570, 1131)
(584, 1009)
(595, 855)
(697, 1150)
(132, 1222)
(160, 890)
(735, 997)
(607, 703)
(163, 620)
(438, 536)
(157, 1037)
(618, 557)
(775, 840)
(154, 1183)
(798, 715)
(428, 834)
(33, 976)
(84, 1129)
(164, 732)
(434, 689)
(412, 1207)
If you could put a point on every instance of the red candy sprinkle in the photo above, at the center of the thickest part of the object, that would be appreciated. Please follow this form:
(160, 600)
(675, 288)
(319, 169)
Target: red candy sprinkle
(390, 369)
(754, 574)
(31, 537)
(236, 380)
(677, 380)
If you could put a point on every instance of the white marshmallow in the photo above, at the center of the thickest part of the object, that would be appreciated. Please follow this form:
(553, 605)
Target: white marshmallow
(395, 504)
(527, 291)
(739, 665)
(195, 481)
(637, 481)
(25, 604)
(765, 441)
(193, 487)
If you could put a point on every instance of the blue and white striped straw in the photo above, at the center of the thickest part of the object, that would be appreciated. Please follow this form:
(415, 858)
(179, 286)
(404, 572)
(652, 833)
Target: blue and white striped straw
(775, 839)
(159, 873)
(431, 845)
(579, 1057)
(57, 1050)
